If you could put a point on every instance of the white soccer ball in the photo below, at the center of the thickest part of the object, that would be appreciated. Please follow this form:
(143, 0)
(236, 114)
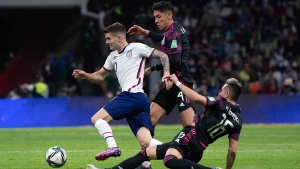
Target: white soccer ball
(56, 157)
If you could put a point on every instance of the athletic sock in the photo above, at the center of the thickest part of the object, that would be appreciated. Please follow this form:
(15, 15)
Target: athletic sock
(106, 132)
(133, 162)
(154, 142)
(171, 161)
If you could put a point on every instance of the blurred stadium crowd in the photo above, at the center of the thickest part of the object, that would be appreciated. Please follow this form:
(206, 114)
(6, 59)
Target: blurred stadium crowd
(255, 41)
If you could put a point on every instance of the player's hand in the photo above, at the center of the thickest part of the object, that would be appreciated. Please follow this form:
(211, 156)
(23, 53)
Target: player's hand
(172, 78)
(166, 80)
(80, 74)
(137, 30)
(168, 84)
(147, 71)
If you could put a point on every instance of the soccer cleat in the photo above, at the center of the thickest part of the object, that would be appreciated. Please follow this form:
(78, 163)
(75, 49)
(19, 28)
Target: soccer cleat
(91, 166)
(115, 151)
(145, 165)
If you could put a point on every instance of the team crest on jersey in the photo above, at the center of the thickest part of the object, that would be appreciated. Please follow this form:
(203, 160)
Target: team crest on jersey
(211, 98)
(174, 44)
(129, 54)
(148, 47)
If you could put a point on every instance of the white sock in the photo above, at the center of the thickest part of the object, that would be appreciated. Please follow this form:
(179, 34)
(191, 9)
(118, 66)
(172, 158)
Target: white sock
(154, 142)
(106, 132)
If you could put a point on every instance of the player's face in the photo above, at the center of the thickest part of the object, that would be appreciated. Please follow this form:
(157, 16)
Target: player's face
(162, 19)
(224, 92)
(112, 41)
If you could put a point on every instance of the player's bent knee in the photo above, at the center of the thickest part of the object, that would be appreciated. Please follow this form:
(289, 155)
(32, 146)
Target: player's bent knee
(93, 120)
(170, 161)
(144, 136)
(101, 114)
(144, 143)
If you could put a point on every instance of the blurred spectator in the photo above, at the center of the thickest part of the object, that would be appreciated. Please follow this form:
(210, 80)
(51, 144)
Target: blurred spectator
(288, 87)
(72, 87)
(141, 17)
(59, 70)
(40, 88)
(47, 71)
(103, 14)
(118, 14)
(209, 20)
(231, 48)
(112, 87)
(97, 89)
(255, 87)
(15, 93)
(37, 89)
(230, 38)
(291, 48)
(89, 44)
(270, 86)
(233, 18)
(298, 83)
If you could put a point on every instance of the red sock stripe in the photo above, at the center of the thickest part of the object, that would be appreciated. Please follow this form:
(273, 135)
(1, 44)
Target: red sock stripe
(105, 133)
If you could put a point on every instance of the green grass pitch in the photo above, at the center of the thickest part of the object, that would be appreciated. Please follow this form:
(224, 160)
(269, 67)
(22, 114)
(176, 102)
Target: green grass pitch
(260, 147)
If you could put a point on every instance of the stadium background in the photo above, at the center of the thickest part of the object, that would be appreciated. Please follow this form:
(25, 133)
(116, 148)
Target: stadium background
(50, 38)
(42, 42)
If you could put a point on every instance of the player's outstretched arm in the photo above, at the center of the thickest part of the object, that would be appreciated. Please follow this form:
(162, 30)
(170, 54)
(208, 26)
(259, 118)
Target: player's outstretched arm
(164, 59)
(95, 77)
(191, 94)
(231, 153)
(137, 30)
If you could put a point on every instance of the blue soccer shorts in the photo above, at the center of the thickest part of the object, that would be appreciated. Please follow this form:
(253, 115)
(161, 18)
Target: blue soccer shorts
(135, 107)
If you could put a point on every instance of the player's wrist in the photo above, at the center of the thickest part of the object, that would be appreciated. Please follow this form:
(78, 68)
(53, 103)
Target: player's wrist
(146, 32)
(152, 68)
(150, 34)
(178, 83)
(166, 73)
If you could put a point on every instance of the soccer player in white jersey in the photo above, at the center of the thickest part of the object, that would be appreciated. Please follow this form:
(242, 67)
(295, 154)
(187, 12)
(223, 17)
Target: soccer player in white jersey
(128, 61)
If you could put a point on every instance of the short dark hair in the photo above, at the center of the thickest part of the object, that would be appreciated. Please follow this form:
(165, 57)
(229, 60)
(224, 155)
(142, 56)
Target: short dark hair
(234, 87)
(162, 6)
(115, 28)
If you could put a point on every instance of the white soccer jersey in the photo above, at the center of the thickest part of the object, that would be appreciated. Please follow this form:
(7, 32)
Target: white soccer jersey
(129, 66)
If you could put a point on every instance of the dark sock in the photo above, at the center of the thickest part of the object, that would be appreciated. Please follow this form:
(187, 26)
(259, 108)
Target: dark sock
(171, 161)
(133, 162)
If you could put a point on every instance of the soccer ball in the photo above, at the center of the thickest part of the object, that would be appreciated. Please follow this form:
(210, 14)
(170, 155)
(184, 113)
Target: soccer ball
(56, 157)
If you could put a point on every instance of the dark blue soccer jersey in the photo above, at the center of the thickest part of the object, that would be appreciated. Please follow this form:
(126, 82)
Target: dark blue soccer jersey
(218, 118)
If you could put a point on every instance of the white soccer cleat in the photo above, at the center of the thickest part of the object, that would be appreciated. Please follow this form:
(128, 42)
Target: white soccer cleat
(145, 165)
(91, 166)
